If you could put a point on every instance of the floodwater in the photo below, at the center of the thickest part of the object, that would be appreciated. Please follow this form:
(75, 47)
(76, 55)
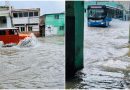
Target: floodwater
(40, 66)
(106, 58)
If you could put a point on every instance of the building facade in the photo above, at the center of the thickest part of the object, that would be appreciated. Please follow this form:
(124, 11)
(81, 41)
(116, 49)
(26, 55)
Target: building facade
(5, 17)
(54, 24)
(27, 20)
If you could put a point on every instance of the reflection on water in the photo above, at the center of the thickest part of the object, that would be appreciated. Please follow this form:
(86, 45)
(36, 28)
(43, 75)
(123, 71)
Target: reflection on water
(41, 66)
(106, 57)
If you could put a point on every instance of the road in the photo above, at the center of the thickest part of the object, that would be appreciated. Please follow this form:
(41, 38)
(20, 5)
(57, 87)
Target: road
(106, 58)
(41, 66)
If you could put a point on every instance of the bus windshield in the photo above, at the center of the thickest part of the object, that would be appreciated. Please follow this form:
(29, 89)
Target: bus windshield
(96, 13)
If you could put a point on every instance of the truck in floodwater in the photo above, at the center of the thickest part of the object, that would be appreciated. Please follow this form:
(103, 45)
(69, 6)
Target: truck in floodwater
(10, 36)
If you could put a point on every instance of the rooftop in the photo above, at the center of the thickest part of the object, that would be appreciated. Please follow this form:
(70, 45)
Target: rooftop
(54, 13)
(31, 9)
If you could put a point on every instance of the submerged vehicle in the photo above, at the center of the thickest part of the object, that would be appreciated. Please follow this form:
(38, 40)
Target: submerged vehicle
(11, 36)
(101, 15)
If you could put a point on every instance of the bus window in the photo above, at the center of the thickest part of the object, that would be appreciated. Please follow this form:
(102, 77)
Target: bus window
(96, 13)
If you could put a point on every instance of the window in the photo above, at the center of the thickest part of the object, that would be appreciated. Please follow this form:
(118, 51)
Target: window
(96, 13)
(11, 32)
(20, 15)
(30, 28)
(15, 15)
(2, 32)
(56, 16)
(61, 27)
(25, 14)
(35, 13)
(22, 29)
(4, 21)
(30, 14)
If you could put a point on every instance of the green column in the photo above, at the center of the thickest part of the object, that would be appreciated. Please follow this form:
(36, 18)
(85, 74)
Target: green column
(74, 36)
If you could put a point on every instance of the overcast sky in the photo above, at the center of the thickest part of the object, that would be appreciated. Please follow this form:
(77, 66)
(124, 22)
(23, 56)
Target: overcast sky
(45, 6)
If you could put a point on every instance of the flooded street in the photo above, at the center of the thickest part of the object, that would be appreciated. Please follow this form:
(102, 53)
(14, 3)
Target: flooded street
(41, 66)
(106, 58)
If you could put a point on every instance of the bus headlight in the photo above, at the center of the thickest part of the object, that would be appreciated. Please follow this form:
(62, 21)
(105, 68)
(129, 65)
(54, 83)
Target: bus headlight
(102, 22)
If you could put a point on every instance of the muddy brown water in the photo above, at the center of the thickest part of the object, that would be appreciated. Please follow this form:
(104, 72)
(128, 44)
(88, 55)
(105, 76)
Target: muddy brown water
(41, 66)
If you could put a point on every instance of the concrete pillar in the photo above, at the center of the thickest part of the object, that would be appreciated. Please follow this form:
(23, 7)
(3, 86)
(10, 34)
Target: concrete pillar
(9, 23)
(74, 36)
(26, 28)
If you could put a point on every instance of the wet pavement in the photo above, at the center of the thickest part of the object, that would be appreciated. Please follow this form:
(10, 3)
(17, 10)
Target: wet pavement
(41, 66)
(106, 58)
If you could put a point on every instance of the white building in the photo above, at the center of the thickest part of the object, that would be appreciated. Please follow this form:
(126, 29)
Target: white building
(27, 20)
(5, 17)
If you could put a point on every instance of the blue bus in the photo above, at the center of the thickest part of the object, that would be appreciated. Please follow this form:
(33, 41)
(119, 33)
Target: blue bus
(101, 15)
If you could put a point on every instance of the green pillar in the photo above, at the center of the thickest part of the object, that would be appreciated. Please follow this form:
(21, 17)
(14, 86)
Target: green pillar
(74, 36)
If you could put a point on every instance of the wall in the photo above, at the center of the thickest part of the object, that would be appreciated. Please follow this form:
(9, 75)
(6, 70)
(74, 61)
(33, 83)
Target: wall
(25, 20)
(4, 14)
(52, 25)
